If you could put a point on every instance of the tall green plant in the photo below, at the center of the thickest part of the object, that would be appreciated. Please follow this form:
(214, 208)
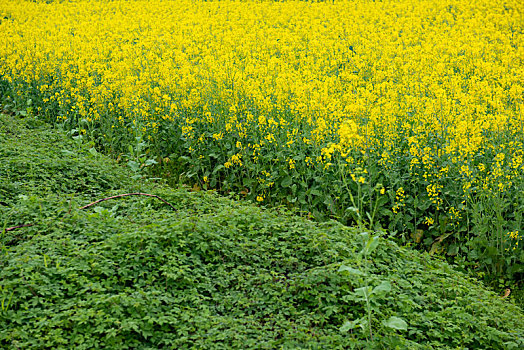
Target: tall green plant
(371, 296)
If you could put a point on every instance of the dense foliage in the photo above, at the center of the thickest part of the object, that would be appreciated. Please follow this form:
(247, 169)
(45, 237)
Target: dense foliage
(405, 115)
(134, 273)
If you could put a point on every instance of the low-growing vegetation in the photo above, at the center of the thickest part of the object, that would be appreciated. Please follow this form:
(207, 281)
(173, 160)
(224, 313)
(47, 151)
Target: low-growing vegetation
(397, 115)
(132, 273)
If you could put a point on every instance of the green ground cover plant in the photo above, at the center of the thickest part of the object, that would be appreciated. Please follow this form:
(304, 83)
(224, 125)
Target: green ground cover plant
(132, 273)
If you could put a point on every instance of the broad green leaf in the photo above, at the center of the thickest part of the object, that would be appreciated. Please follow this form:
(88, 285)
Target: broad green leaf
(351, 270)
(365, 235)
(396, 323)
(363, 292)
(287, 181)
(383, 287)
(150, 162)
(218, 168)
(370, 243)
(349, 325)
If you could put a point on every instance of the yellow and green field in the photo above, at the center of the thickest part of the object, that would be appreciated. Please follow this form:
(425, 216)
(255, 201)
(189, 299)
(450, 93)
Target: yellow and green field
(406, 115)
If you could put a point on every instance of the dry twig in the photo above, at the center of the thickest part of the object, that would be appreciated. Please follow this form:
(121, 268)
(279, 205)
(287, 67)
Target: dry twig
(98, 201)
(128, 194)
(17, 227)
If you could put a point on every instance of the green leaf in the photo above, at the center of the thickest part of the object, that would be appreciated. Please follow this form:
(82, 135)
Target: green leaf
(66, 152)
(150, 162)
(218, 168)
(349, 325)
(287, 181)
(453, 249)
(370, 245)
(396, 323)
(363, 292)
(302, 198)
(316, 192)
(133, 165)
(383, 288)
(352, 209)
(351, 270)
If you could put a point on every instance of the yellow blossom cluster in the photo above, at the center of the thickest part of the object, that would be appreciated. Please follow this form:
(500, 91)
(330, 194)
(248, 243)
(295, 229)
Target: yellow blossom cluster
(434, 88)
(514, 238)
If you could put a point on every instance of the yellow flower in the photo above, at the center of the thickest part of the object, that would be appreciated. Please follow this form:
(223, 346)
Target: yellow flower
(218, 136)
(429, 221)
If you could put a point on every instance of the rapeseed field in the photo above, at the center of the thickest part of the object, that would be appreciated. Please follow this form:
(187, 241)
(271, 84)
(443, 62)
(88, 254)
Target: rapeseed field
(403, 115)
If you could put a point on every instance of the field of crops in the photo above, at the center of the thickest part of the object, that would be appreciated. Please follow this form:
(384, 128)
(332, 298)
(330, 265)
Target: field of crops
(404, 115)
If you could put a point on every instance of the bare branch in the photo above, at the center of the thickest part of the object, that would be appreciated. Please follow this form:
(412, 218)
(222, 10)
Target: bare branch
(98, 201)
(17, 227)
(127, 194)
